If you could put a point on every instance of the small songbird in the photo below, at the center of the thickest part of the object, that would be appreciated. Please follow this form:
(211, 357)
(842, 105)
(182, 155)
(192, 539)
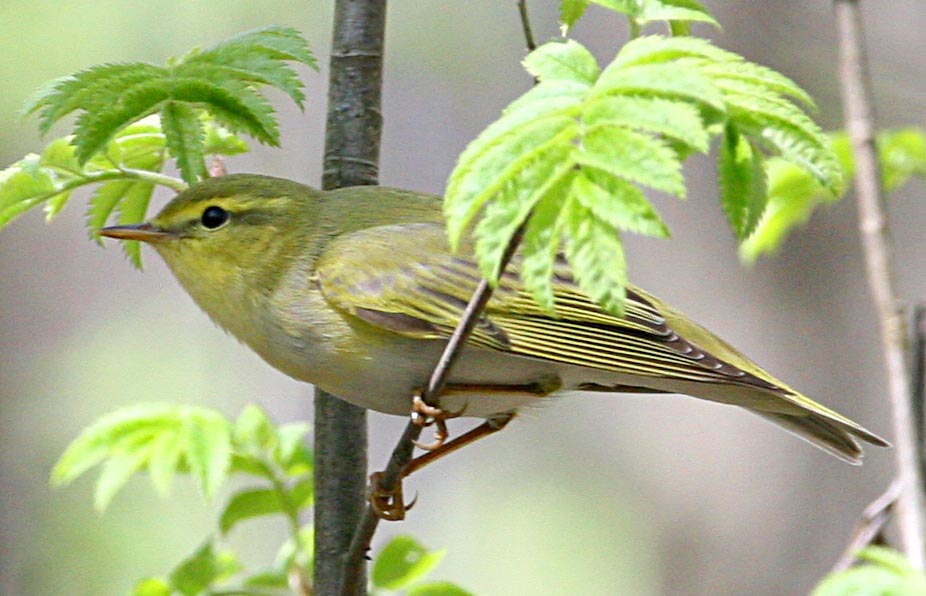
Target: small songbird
(356, 291)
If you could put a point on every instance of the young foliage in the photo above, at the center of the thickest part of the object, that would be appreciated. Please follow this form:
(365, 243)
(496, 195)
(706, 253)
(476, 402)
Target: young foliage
(794, 194)
(222, 81)
(640, 12)
(125, 172)
(883, 572)
(402, 565)
(569, 157)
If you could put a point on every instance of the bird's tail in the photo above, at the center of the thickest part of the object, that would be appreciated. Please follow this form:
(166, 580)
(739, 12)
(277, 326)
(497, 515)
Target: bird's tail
(836, 437)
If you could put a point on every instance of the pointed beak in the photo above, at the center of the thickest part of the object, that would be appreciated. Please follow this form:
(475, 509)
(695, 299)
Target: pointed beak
(144, 232)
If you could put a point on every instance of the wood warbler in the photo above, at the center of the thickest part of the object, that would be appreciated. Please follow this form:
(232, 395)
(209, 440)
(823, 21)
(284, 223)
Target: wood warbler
(356, 291)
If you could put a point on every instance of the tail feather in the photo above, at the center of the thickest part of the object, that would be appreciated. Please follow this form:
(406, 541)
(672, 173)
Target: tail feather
(833, 436)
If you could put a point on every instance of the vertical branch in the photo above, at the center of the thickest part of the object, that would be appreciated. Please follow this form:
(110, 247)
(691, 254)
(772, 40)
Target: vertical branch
(401, 456)
(876, 242)
(352, 137)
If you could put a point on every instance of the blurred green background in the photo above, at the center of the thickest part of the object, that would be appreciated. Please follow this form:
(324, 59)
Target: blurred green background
(594, 495)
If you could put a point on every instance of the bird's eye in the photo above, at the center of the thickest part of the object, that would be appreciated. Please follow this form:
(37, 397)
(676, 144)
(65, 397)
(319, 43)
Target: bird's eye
(213, 217)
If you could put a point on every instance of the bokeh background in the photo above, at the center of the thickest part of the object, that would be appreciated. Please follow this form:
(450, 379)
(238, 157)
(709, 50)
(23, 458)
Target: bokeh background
(594, 495)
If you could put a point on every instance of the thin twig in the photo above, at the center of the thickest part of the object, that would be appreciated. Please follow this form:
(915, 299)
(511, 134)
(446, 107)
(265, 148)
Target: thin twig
(526, 26)
(918, 383)
(879, 261)
(352, 138)
(402, 453)
(869, 525)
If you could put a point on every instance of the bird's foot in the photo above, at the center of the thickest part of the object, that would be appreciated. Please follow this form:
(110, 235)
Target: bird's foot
(424, 415)
(388, 505)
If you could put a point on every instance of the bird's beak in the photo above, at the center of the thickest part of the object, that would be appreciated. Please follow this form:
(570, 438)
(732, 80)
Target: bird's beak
(144, 232)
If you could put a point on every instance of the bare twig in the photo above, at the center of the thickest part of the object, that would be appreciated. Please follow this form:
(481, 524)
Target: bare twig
(869, 525)
(918, 383)
(354, 128)
(402, 453)
(879, 260)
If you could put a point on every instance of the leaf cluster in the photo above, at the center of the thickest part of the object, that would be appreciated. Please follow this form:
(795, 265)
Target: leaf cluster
(222, 81)
(125, 173)
(883, 572)
(793, 194)
(567, 161)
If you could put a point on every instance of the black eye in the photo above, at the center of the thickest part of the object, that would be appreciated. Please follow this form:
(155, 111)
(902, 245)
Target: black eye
(213, 217)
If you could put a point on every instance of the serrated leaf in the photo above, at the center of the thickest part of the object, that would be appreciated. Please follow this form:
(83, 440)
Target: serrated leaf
(60, 155)
(542, 242)
(758, 75)
(674, 10)
(132, 208)
(674, 119)
(477, 180)
(652, 49)
(291, 452)
(678, 80)
(596, 254)
(151, 586)
(248, 504)
(208, 448)
(129, 457)
(741, 176)
(103, 202)
(24, 185)
(268, 579)
(402, 561)
(562, 61)
(302, 493)
(164, 459)
(196, 573)
(570, 11)
(234, 105)
(218, 140)
(253, 431)
(633, 156)
(628, 7)
(183, 135)
(618, 203)
(504, 215)
(104, 435)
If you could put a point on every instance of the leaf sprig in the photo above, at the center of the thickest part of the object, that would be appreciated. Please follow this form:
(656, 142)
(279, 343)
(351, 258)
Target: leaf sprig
(567, 159)
(222, 81)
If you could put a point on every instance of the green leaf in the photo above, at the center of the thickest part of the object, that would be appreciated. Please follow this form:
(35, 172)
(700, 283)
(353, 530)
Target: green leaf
(562, 61)
(674, 10)
(126, 459)
(542, 242)
(653, 49)
(902, 154)
(291, 452)
(254, 431)
(268, 579)
(184, 137)
(402, 561)
(437, 589)
(570, 11)
(743, 192)
(476, 181)
(628, 7)
(151, 586)
(633, 156)
(678, 80)
(218, 140)
(883, 572)
(618, 203)
(196, 573)
(248, 504)
(103, 202)
(208, 448)
(596, 254)
(764, 79)
(510, 209)
(132, 208)
(674, 119)
(164, 459)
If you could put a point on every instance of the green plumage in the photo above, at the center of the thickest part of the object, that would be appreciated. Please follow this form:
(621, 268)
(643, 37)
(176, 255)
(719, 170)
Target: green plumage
(355, 291)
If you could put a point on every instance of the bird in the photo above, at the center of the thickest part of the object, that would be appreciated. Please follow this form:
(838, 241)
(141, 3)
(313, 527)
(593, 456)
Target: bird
(356, 291)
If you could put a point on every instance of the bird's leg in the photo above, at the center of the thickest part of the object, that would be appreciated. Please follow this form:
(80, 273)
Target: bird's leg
(425, 415)
(389, 505)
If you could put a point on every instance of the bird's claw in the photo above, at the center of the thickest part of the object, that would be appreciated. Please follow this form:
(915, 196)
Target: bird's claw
(425, 415)
(388, 505)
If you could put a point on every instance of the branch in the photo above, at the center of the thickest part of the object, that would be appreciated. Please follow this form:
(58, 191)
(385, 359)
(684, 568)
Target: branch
(869, 526)
(354, 128)
(879, 263)
(402, 453)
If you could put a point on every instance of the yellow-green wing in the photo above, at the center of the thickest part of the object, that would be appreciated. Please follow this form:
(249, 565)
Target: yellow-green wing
(403, 278)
